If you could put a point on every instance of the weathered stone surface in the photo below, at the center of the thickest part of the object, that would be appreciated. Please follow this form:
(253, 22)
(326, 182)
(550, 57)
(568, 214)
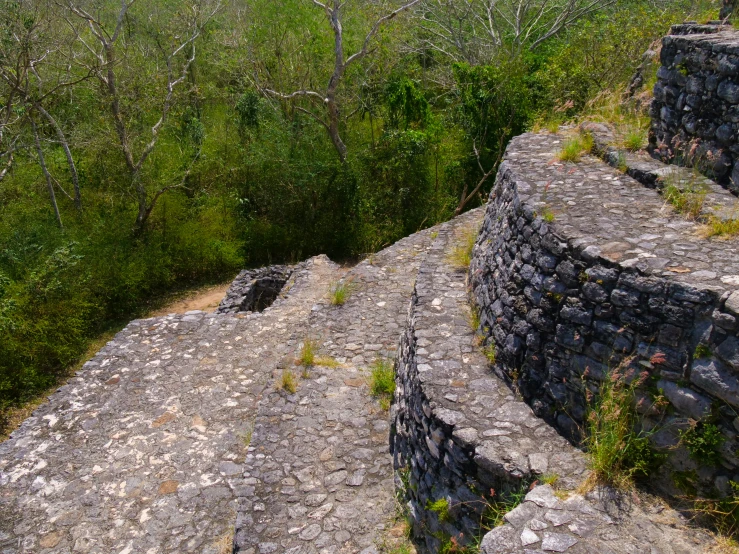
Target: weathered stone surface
(695, 100)
(717, 379)
(604, 522)
(648, 291)
(685, 400)
(318, 464)
(142, 451)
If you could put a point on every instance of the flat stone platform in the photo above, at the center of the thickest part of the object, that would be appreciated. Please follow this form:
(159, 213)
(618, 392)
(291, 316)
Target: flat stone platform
(142, 452)
(625, 222)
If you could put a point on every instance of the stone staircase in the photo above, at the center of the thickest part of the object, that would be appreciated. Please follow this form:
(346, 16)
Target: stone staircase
(176, 438)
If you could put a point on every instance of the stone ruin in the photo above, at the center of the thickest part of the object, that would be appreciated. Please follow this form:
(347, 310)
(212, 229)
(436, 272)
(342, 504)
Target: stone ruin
(176, 437)
(695, 112)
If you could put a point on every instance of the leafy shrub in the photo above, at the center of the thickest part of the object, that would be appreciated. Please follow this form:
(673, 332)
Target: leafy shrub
(703, 441)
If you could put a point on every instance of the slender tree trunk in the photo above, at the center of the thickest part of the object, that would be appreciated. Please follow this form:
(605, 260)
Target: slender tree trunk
(67, 153)
(333, 130)
(49, 184)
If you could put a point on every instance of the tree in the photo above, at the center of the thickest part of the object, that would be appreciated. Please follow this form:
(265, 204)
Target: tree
(474, 31)
(29, 49)
(329, 100)
(173, 43)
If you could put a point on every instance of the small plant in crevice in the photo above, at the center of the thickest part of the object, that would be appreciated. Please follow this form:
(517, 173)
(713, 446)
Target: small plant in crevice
(547, 214)
(441, 508)
(549, 479)
(474, 318)
(288, 382)
(502, 503)
(722, 228)
(382, 382)
(703, 441)
(722, 514)
(634, 140)
(308, 353)
(246, 436)
(702, 351)
(340, 292)
(621, 163)
(327, 361)
(618, 453)
(574, 148)
(490, 351)
(461, 254)
(685, 196)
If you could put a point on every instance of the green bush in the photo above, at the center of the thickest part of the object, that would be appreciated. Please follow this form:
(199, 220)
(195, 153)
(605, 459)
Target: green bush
(703, 441)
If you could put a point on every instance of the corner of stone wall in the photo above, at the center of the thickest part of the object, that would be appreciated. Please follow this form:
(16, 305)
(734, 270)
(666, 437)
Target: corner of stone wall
(563, 317)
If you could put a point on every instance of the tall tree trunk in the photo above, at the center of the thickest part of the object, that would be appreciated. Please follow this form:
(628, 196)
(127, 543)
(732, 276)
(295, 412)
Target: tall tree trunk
(333, 130)
(67, 153)
(49, 184)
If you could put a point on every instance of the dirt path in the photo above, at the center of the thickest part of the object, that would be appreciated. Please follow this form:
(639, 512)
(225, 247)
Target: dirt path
(205, 299)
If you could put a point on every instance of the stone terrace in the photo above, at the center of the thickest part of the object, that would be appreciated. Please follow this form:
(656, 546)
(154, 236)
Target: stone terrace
(141, 453)
(175, 438)
(460, 431)
(619, 218)
(319, 473)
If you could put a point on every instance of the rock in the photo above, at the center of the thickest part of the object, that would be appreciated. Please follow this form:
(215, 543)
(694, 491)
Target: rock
(501, 540)
(557, 542)
(716, 379)
(685, 400)
(728, 351)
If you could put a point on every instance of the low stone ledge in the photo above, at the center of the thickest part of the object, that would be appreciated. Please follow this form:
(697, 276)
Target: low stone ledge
(611, 277)
(602, 522)
(653, 173)
(458, 430)
(253, 290)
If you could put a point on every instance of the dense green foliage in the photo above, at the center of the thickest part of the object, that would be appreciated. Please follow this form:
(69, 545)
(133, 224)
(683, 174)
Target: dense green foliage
(234, 175)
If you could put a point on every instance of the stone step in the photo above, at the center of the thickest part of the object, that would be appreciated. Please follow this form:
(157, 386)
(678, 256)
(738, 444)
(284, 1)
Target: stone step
(318, 474)
(463, 439)
(141, 452)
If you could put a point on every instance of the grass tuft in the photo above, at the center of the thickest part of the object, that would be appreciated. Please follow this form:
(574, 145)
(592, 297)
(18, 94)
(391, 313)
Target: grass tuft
(461, 254)
(327, 361)
(491, 352)
(724, 228)
(501, 504)
(549, 479)
(308, 353)
(382, 382)
(634, 140)
(547, 214)
(574, 148)
(687, 197)
(288, 382)
(340, 293)
(617, 453)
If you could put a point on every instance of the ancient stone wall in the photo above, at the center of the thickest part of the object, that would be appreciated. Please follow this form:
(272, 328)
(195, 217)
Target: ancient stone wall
(253, 290)
(574, 284)
(695, 112)
(460, 438)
